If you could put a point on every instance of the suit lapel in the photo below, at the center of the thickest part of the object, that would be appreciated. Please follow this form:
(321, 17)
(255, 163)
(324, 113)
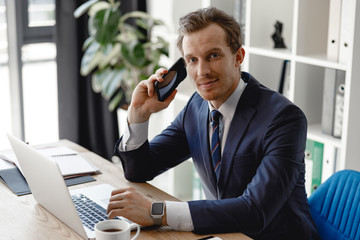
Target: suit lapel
(241, 120)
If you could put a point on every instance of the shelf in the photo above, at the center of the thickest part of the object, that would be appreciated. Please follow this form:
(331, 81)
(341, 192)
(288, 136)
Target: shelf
(313, 59)
(269, 52)
(321, 61)
(315, 133)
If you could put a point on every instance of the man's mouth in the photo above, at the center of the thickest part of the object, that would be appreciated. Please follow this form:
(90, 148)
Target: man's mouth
(208, 84)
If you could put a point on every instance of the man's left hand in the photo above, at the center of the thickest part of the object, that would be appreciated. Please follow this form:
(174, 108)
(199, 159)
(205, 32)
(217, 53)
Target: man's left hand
(129, 203)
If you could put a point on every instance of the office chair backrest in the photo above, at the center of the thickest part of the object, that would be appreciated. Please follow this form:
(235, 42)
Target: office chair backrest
(335, 206)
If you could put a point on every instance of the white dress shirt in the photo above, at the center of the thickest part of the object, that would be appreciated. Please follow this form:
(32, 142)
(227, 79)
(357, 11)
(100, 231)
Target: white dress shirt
(178, 214)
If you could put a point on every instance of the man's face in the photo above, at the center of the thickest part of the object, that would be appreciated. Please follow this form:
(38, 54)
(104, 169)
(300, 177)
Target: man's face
(211, 65)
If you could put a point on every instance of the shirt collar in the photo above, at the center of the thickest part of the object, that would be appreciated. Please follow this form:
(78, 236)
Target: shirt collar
(227, 109)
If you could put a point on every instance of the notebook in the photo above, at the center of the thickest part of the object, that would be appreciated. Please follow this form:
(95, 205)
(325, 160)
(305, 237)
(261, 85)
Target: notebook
(49, 190)
(71, 164)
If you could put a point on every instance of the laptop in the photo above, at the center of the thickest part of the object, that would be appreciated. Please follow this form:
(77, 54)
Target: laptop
(79, 209)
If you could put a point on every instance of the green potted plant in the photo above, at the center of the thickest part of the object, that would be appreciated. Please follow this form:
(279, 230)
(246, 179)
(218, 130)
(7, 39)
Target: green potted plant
(118, 54)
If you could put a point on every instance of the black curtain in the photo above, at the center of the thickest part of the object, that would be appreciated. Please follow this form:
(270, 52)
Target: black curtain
(84, 117)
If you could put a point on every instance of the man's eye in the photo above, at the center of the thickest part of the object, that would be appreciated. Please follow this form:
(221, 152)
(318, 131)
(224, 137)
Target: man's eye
(214, 55)
(191, 60)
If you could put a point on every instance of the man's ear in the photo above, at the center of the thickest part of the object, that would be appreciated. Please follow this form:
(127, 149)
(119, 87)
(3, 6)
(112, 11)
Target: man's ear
(240, 54)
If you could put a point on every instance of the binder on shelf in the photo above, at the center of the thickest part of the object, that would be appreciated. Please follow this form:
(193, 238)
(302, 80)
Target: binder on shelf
(240, 16)
(313, 163)
(329, 161)
(333, 102)
(346, 28)
(327, 118)
(285, 79)
(334, 30)
(339, 103)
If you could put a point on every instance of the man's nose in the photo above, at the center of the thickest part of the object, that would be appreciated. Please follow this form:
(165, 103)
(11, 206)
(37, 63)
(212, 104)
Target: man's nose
(203, 68)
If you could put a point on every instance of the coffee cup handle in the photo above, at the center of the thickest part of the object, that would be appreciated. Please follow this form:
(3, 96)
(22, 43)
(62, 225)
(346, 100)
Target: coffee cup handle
(137, 232)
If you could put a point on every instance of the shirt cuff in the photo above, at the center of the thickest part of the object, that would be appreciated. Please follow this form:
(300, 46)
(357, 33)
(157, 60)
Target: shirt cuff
(178, 216)
(134, 136)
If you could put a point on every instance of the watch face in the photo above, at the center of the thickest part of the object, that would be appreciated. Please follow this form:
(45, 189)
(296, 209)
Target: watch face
(157, 208)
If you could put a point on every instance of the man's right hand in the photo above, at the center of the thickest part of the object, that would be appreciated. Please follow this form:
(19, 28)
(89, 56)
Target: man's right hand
(144, 100)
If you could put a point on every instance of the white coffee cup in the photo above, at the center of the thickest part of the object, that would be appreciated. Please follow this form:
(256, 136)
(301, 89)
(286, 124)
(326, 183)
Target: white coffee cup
(114, 230)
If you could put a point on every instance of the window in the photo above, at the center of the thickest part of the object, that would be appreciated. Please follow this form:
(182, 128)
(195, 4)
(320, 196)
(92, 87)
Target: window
(29, 106)
(41, 13)
(38, 20)
(5, 111)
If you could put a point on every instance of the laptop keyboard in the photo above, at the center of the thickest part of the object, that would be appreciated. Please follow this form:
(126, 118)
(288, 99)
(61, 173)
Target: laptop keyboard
(90, 212)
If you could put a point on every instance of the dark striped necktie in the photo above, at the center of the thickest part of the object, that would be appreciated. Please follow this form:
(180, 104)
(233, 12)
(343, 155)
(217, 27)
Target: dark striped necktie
(215, 142)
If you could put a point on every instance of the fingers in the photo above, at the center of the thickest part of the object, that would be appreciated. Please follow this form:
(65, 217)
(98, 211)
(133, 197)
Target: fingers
(114, 210)
(129, 203)
(157, 76)
(171, 97)
(120, 190)
(148, 85)
(118, 202)
(161, 71)
(144, 100)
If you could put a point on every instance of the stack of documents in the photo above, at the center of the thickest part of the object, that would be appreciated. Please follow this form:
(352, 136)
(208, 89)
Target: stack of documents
(73, 167)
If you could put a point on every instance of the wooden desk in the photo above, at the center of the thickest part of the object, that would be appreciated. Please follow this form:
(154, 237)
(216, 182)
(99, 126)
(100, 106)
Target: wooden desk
(23, 218)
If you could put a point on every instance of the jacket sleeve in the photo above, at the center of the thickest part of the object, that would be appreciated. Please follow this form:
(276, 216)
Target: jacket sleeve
(165, 151)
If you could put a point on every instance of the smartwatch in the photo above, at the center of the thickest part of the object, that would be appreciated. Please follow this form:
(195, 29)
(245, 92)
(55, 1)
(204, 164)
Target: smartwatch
(157, 211)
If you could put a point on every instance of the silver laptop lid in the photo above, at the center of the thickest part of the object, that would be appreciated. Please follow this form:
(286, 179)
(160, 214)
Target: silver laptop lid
(47, 184)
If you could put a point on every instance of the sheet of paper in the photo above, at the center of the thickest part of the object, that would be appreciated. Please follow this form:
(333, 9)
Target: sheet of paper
(57, 151)
(5, 164)
(68, 160)
(73, 164)
(9, 156)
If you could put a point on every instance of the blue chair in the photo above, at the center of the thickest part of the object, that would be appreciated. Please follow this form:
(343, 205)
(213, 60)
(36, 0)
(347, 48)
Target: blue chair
(335, 206)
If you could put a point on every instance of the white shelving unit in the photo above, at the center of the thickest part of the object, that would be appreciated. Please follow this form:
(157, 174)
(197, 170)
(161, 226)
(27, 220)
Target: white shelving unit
(305, 31)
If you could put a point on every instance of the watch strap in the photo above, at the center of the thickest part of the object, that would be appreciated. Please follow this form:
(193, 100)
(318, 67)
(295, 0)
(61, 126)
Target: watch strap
(157, 219)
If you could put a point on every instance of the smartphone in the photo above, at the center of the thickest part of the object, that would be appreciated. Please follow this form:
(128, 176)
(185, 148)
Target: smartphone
(210, 238)
(175, 75)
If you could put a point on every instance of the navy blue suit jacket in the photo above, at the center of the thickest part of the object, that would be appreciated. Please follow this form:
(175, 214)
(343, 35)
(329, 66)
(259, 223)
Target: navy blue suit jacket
(261, 190)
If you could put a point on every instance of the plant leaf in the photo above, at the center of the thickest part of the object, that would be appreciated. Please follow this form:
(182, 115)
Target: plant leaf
(97, 7)
(87, 43)
(136, 14)
(142, 23)
(134, 53)
(90, 59)
(107, 81)
(115, 101)
(96, 80)
(92, 27)
(114, 83)
(83, 8)
(106, 24)
(111, 54)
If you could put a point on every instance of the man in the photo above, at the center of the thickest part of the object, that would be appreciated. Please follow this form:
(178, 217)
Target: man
(256, 184)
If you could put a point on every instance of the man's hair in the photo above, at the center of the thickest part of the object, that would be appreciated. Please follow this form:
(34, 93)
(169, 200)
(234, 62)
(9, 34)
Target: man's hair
(202, 18)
